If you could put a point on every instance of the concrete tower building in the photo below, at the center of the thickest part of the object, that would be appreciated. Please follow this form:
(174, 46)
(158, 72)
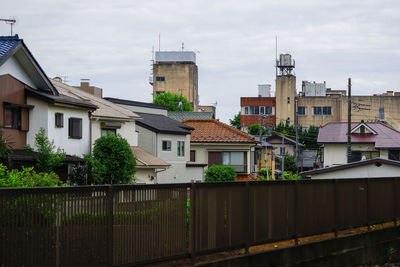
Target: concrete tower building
(285, 89)
(176, 72)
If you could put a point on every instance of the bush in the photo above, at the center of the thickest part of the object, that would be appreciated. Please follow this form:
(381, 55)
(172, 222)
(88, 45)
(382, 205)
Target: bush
(263, 173)
(255, 130)
(112, 161)
(172, 101)
(48, 157)
(291, 176)
(27, 178)
(220, 173)
(5, 148)
(290, 163)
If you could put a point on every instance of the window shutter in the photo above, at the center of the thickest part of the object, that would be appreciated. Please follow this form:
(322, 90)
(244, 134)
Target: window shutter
(214, 158)
(70, 128)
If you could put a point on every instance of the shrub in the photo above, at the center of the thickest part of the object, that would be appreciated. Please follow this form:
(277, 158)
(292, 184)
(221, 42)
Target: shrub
(263, 173)
(290, 176)
(48, 157)
(290, 163)
(5, 148)
(172, 102)
(112, 161)
(255, 130)
(220, 173)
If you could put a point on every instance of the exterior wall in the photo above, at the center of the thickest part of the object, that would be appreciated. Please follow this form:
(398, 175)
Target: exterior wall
(145, 109)
(147, 176)
(12, 67)
(12, 91)
(180, 78)
(38, 118)
(277, 142)
(203, 149)
(127, 131)
(366, 171)
(247, 120)
(335, 154)
(147, 140)
(309, 119)
(285, 87)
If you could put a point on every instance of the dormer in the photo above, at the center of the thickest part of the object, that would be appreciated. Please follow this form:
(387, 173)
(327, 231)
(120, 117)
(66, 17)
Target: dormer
(363, 128)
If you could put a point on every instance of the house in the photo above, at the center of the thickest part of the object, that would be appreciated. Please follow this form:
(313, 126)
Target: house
(368, 140)
(283, 144)
(371, 168)
(215, 143)
(29, 101)
(112, 118)
(137, 106)
(267, 156)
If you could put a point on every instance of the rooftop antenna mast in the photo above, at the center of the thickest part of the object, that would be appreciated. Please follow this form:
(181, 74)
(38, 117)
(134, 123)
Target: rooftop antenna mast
(276, 55)
(159, 41)
(183, 46)
(11, 22)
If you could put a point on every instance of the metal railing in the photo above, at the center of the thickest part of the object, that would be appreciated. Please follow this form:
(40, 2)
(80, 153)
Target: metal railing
(132, 224)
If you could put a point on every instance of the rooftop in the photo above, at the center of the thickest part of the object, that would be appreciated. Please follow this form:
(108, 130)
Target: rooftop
(214, 131)
(7, 45)
(134, 103)
(186, 115)
(162, 124)
(145, 159)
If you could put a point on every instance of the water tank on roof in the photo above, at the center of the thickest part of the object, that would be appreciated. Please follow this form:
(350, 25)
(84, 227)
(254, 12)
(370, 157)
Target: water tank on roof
(264, 90)
(285, 60)
(176, 56)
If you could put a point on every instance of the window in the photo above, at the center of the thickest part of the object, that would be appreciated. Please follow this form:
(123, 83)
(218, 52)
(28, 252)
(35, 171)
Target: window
(251, 110)
(256, 110)
(237, 160)
(12, 117)
(107, 131)
(282, 150)
(75, 128)
(193, 155)
(268, 110)
(301, 111)
(181, 148)
(358, 155)
(288, 100)
(59, 119)
(246, 110)
(362, 129)
(160, 92)
(381, 114)
(394, 155)
(160, 78)
(166, 145)
(318, 111)
(262, 110)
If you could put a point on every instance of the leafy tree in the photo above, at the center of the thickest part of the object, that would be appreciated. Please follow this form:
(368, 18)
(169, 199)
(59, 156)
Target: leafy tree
(27, 178)
(255, 130)
(220, 173)
(286, 129)
(5, 148)
(48, 157)
(309, 137)
(112, 161)
(290, 163)
(172, 101)
(235, 122)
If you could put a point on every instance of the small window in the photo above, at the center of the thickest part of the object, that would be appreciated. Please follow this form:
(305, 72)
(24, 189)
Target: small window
(362, 129)
(288, 100)
(256, 110)
(12, 117)
(160, 78)
(166, 145)
(282, 150)
(160, 92)
(75, 128)
(180, 148)
(381, 114)
(59, 119)
(107, 131)
(246, 110)
(252, 111)
(394, 155)
(327, 111)
(193, 155)
(268, 110)
(262, 110)
(302, 111)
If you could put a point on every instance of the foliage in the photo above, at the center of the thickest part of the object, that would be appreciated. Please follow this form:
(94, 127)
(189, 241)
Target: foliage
(263, 173)
(255, 130)
(290, 163)
(48, 158)
(27, 178)
(5, 148)
(290, 176)
(112, 161)
(307, 137)
(286, 129)
(172, 101)
(235, 122)
(28, 148)
(220, 173)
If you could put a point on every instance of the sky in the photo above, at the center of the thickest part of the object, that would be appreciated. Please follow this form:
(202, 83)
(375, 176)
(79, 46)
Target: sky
(110, 43)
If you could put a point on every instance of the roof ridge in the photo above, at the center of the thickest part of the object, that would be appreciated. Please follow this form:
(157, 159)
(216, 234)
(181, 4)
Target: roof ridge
(10, 37)
(236, 130)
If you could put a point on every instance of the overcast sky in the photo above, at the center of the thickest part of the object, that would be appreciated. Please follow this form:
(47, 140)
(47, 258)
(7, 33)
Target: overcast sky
(110, 42)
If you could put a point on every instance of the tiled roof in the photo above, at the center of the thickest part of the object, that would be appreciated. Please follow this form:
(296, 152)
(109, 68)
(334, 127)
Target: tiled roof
(145, 159)
(214, 131)
(162, 124)
(187, 115)
(336, 133)
(105, 109)
(7, 45)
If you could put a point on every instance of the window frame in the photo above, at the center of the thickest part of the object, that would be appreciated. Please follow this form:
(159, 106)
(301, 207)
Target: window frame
(180, 148)
(71, 124)
(304, 109)
(192, 155)
(244, 165)
(14, 111)
(59, 120)
(168, 147)
(381, 114)
(160, 78)
(112, 130)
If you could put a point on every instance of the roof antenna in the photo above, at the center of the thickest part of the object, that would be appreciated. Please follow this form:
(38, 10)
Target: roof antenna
(183, 46)
(11, 21)
(159, 41)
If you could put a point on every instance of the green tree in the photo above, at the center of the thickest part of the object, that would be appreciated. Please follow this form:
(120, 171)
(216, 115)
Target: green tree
(255, 130)
(5, 148)
(220, 173)
(112, 161)
(290, 163)
(309, 137)
(174, 102)
(48, 157)
(235, 122)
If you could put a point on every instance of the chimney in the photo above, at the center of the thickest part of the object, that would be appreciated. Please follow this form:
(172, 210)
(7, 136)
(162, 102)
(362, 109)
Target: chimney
(85, 86)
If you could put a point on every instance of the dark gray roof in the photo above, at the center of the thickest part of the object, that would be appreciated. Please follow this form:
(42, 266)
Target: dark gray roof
(162, 124)
(59, 99)
(134, 103)
(307, 159)
(264, 143)
(187, 115)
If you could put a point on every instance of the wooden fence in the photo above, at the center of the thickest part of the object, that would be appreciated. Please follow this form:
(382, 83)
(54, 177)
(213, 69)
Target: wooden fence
(136, 224)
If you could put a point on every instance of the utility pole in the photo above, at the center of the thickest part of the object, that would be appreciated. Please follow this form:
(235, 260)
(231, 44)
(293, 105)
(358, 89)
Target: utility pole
(296, 122)
(259, 155)
(283, 157)
(349, 122)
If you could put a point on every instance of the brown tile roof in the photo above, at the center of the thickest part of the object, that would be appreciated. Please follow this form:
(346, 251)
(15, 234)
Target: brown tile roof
(214, 131)
(145, 159)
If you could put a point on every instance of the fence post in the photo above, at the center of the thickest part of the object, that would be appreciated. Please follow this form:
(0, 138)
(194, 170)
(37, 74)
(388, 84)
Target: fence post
(394, 202)
(248, 239)
(296, 207)
(336, 199)
(110, 225)
(192, 222)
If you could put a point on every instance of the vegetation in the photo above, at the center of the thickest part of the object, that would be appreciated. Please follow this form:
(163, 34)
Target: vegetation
(48, 157)
(5, 148)
(235, 122)
(290, 176)
(290, 163)
(27, 178)
(220, 173)
(174, 102)
(263, 173)
(307, 137)
(112, 161)
(255, 130)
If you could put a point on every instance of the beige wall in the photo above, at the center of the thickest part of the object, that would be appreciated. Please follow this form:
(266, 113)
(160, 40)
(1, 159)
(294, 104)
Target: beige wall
(147, 176)
(366, 171)
(177, 76)
(285, 87)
